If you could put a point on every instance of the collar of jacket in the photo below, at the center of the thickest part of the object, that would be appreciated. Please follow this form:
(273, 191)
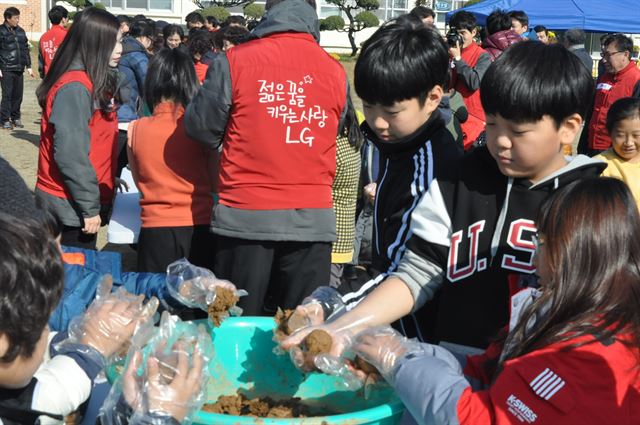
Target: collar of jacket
(130, 44)
(289, 16)
(409, 143)
(624, 70)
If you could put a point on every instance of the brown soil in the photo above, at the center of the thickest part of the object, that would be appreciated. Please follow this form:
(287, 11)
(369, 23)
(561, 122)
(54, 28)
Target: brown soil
(288, 322)
(317, 342)
(225, 299)
(365, 366)
(261, 407)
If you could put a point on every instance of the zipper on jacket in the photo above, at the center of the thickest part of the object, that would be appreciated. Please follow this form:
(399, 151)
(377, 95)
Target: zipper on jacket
(497, 233)
(375, 205)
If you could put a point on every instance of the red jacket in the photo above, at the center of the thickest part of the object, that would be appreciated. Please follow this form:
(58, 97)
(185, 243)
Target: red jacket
(475, 123)
(279, 150)
(598, 383)
(610, 87)
(102, 154)
(49, 43)
(496, 43)
(201, 70)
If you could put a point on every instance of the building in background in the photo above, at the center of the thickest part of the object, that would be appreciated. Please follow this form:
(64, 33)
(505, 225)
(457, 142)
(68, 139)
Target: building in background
(33, 16)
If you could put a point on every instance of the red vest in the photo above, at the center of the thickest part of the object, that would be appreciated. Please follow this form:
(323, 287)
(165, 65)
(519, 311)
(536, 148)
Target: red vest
(49, 43)
(610, 87)
(102, 153)
(475, 124)
(279, 149)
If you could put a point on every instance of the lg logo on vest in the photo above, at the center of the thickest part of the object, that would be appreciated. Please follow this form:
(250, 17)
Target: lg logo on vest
(519, 239)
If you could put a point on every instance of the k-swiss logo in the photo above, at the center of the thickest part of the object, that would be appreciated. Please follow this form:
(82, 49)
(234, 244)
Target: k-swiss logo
(520, 410)
(547, 384)
(519, 239)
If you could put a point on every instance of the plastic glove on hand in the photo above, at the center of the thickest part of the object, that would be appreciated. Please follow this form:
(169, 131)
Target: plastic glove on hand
(166, 375)
(110, 321)
(381, 347)
(197, 287)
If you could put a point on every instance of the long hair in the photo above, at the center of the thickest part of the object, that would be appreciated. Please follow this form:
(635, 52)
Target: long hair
(90, 41)
(591, 231)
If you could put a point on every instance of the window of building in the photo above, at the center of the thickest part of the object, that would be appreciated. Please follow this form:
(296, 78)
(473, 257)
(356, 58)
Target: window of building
(140, 4)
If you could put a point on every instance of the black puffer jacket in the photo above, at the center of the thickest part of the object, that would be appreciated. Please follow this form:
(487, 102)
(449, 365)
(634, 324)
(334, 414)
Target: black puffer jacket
(14, 49)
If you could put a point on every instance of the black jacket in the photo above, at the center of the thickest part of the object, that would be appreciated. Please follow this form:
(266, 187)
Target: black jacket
(14, 49)
(406, 170)
(476, 225)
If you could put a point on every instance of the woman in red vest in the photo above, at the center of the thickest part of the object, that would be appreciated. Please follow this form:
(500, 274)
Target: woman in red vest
(79, 128)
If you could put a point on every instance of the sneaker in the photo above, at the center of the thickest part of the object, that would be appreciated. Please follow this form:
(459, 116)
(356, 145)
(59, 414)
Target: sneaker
(18, 124)
(7, 126)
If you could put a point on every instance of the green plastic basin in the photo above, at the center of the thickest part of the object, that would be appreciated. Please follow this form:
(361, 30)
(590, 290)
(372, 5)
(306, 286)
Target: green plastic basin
(244, 361)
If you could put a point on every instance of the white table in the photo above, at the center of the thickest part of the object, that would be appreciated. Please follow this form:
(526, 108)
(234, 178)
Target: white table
(124, 226)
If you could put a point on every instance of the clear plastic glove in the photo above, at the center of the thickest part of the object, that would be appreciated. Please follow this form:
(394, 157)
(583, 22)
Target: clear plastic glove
(109, 323)
(166, 375)
(324, 302)
(331, 359)
(382, 347)
(195, 286)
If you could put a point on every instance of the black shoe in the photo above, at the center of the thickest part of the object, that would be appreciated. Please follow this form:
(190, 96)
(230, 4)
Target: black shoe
(18, 124)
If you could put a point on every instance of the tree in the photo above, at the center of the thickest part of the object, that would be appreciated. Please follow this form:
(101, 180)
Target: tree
(78, 4)
(254, 11)
(470, 2)
(218, 12)
(207, 4)
(358, 13)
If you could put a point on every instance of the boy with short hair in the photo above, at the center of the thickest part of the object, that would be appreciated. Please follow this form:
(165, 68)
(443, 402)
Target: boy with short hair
(31, 284)
(473, 231)
(400, 75)
(520, 24)
(52, 39)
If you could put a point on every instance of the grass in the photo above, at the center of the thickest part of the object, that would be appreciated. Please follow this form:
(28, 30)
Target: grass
(349, 66)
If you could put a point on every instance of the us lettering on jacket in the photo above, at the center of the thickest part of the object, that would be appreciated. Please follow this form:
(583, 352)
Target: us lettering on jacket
(519, 239)
(285, 101)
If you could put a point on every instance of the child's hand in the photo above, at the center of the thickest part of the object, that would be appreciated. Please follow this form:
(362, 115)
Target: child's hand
(176, 397)
(112, 319)
(194, 286)
(370, 192)
(173, 396)
(324, 300)
(200, 290)
(295, 345)
(382, 347)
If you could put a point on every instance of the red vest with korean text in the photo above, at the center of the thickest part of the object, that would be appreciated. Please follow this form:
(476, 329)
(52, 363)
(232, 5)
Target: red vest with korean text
(49, 43)
(609, 88)
(475, 124)
(103, 145)
(279, 150)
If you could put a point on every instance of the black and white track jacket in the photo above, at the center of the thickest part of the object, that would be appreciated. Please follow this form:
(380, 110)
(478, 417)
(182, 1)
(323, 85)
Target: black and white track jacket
(407, 168)
(471, 231)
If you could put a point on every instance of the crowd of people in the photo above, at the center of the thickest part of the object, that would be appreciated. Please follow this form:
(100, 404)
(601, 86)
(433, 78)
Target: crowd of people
(502, 281)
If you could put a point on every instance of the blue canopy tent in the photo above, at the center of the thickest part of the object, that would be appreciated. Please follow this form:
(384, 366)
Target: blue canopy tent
(590, 15)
